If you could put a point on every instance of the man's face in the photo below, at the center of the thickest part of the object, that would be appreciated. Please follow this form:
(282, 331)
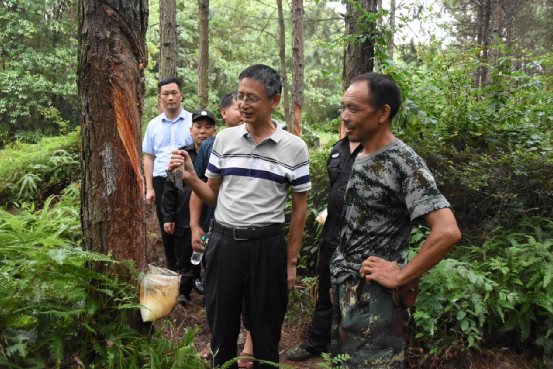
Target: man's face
(258, 112)
(202, 129)
(360, 119)
(231, 115)
(170, 97)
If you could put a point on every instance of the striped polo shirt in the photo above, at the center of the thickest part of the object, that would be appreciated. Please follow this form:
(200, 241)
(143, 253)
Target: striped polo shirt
(256, 177)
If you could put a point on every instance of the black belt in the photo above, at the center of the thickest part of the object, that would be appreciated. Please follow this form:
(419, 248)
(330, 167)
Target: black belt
(242, 234)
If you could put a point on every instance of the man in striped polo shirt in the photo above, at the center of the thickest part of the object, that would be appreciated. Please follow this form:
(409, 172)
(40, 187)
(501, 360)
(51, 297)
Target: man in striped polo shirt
(247, 259)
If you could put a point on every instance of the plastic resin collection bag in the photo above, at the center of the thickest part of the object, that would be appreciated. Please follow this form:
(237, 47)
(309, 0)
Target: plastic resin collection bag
(159, 293)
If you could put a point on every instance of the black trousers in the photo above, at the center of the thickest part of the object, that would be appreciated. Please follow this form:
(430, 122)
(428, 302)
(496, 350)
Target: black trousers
(252, 273)
(319, 333)
(183, 252)
(168, 240)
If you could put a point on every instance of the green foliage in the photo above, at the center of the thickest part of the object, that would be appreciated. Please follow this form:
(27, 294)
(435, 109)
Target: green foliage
(55, 311)
(303, 297)
(333, 362)
(489, 146)
(536, 35)
(242, 33)
(302, 301)
(37, 68)
(441, 102)
(451, 307)
(229, 363)
(34, 171)
(316, 203)
(490, 292)
(312, 139)
(490, 188)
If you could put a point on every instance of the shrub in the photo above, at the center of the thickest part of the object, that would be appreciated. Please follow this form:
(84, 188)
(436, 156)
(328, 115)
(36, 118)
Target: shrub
(56, 312)
(35, 171)
(316, 202)
(488, 293)
(491, 189)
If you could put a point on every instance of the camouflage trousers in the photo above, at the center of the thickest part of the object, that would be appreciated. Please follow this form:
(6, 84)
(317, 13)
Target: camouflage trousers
(367, 325)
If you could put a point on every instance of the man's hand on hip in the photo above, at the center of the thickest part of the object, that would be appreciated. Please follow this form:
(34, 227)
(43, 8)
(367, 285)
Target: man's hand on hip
(381, 271)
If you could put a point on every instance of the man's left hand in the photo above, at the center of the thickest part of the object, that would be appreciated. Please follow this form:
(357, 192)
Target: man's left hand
(381, 271)
(291, 277)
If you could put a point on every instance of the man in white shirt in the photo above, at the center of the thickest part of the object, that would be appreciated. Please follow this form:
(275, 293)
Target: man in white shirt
(166, 132)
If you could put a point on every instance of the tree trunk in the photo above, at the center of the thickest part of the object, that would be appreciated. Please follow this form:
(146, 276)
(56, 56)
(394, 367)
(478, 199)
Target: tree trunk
(379, 25)
(112, 58)
(297, 64)
(283, 73)
(168, 39)
(486, 39)
(391, 43)
(479, 31)
(203, 62)
(358, 57)
(495, 31)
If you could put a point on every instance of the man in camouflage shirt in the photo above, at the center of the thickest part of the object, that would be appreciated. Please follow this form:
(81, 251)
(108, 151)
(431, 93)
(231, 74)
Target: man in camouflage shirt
(389, 187)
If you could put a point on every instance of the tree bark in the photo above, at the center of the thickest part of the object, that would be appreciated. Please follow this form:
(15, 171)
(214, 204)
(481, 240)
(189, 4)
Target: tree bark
(379, 25)
(486, 39)
(297, 64)
(168, 39)
(391, 43)
(495, 30)
(284, 75)
(112, 58)
(358, 56)
(479, 31)
(203, 62)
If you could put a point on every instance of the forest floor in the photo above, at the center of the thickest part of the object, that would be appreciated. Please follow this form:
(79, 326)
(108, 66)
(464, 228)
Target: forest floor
(294, 334)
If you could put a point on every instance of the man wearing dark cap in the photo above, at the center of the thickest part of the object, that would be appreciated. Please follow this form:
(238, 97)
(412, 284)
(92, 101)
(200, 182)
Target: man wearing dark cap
(175, 204)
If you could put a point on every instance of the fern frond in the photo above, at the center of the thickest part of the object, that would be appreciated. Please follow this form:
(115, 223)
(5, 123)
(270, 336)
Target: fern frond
(548, 274)
(57, 348)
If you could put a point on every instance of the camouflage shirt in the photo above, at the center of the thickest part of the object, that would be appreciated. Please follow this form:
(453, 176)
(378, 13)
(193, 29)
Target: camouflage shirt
(386, 191)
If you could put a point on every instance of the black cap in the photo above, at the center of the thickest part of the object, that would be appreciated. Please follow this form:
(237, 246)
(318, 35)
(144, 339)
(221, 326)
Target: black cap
(202, 114)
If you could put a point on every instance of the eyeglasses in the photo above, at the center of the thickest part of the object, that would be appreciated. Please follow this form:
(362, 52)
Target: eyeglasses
(247, 99)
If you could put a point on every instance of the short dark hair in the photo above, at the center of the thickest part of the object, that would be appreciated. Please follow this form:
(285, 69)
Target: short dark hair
(265, 75)
(227, 100)
(167, 81)
(382, 91)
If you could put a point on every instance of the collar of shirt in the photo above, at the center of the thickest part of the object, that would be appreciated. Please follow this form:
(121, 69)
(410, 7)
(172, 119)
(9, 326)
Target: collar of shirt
(343, 146)
(182, 115)
(276, 136)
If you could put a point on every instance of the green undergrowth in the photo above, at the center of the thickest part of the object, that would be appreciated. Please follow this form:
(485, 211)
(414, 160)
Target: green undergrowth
(32, 172)
(57, 312)
(494, 295)
(492, 188)
(494, 292)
